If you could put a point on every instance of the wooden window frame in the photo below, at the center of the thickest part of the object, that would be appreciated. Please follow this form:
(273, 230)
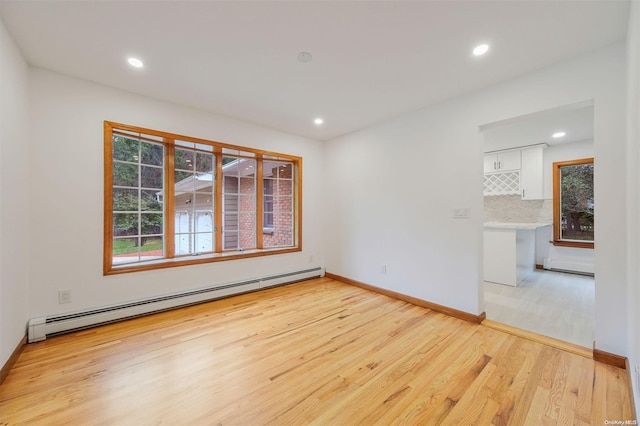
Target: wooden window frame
(557, 241)
(170, 259)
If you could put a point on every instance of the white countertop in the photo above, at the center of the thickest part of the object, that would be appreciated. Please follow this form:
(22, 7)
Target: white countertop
(504, 225)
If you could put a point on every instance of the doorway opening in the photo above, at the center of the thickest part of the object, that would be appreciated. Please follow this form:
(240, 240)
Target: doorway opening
(531, 281)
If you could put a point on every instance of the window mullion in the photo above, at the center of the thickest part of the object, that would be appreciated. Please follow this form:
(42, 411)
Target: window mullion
(259, 203)
(218, 199)
(169, 200)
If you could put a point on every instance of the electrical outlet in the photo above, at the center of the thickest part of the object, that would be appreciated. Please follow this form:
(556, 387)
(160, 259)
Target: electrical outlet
(64, 296)
(311, 259)
(383, 269)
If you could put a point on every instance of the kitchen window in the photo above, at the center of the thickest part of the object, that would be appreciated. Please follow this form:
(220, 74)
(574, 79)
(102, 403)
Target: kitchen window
(165, 206)
(573, 203)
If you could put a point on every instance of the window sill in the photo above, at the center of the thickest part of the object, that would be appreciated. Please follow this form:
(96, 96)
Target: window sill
(195, 260)
(575, 244)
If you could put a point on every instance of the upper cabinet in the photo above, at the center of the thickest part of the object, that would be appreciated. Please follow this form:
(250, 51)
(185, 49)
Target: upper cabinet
(515, 172)
(531, 179)
(502, 161)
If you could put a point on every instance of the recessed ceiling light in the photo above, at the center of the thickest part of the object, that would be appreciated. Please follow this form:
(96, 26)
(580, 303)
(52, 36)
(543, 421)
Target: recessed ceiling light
(558, 134)
(481, 49)
(135, 62)
(318, 121)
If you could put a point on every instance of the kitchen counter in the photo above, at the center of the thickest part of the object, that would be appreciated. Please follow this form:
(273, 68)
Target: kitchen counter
(509, 252)
(505, 225)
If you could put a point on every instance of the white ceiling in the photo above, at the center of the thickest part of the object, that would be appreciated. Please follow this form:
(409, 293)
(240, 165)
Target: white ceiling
(371, 60)
(576, 121)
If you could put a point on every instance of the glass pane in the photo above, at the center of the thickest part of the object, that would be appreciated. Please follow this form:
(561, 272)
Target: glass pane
(238, 152)
(151, 177)
(267, 186)
(203, 147)
(247, 239)
(180, 176)
(151, 247)
(203, 200)
(248, 222)
(125, 224)
(182, 222)
(125, 149)
(204, 222)
(285, 187)
(230, 203)
(285, 171)
(577, 202)
(183, 244)
(283, 205)
(247, 185)
(247, 168)
(230, 185)
(184, 159)
(230, 221)
(184, 143)
(125, 200)
(125, 174)
(125, 246)
(247, 203)
(268, 204)
(152, 153)
(284, 237)
(204, 182)
(204, 242)
(183, 201)
(150, 201)
(229, 240)
(230, 166)
(204, 162)
(270, 169)
(151, 223)
(267, 222)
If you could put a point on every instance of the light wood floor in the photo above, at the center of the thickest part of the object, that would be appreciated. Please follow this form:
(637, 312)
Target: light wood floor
(554, 304)
(318, 352)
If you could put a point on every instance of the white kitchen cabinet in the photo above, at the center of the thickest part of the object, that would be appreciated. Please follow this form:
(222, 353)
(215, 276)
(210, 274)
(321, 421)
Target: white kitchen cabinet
(531, 180)
(502, 161)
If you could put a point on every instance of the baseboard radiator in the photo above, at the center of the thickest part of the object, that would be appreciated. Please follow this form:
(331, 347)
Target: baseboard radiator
(568, 264)
(42, 327)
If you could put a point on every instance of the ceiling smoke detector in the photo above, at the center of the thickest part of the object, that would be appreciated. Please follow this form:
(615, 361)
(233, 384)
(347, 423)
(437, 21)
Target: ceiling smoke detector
(304, 57)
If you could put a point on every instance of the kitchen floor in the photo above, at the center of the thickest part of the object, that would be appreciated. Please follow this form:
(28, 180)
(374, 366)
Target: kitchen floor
(553, 304)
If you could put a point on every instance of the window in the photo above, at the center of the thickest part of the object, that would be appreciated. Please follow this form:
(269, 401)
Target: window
(165, 205)
(267, 221)
(278, 202)
(573, 203)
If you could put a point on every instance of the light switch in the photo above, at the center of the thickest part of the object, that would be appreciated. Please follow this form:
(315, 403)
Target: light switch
(461, 213)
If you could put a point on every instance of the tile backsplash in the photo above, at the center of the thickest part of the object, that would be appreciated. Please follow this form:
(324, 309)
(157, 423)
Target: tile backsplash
(513, 209)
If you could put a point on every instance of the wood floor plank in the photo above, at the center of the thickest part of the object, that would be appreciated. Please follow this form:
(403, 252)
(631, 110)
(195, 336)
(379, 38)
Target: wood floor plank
(317, 352)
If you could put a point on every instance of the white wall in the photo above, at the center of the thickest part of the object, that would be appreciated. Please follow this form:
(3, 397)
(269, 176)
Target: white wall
(633, 189)
(14, 196)
(391, 188)
(66, 118)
